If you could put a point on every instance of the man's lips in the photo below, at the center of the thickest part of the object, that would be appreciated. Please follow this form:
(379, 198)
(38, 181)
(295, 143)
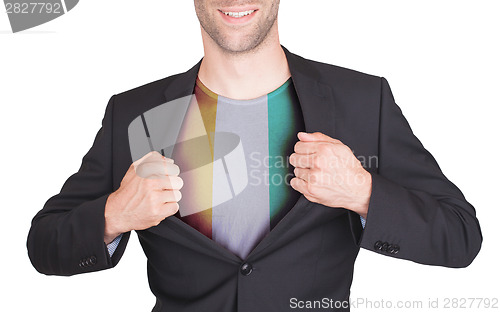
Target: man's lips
(237, 15)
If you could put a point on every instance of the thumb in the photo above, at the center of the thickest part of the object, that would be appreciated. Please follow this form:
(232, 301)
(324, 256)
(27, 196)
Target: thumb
(148, 156)
(316, 137)
(152, 156)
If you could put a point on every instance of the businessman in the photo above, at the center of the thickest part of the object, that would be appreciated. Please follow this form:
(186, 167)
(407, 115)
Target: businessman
(330, 165)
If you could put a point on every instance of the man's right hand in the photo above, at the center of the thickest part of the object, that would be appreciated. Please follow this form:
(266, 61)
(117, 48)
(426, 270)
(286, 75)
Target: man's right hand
(148, 193)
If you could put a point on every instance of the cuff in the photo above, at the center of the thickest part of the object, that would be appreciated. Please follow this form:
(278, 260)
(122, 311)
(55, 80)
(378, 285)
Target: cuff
(112, 246)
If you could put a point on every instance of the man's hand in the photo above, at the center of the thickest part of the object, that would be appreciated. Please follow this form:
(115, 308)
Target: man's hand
(327, 172)
(148, 193)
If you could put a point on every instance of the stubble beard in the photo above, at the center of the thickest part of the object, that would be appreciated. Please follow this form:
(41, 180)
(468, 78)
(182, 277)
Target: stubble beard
(249, 43)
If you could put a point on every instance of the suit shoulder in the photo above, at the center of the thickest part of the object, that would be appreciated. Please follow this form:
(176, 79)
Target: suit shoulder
(338, 74)
(351, 88)
(151, 91)
(134, 102)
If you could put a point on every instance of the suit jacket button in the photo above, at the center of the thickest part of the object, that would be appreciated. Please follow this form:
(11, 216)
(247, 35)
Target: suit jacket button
(396, 249)
(378, 245)
(93, 260)
(83, 263)
(390, 249)
(384, 246)
(246, 269)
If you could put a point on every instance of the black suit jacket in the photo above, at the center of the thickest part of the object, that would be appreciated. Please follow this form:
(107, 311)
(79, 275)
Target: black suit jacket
(415, 212)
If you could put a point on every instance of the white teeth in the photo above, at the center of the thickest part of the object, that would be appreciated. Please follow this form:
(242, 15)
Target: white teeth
(239, 14)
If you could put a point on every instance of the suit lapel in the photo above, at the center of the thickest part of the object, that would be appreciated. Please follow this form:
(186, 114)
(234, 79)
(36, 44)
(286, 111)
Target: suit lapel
(318, 107)
(316, 98)
(183, 84)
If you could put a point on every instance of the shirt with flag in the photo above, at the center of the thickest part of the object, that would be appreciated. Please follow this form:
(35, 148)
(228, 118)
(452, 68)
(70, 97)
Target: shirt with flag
(267, 128)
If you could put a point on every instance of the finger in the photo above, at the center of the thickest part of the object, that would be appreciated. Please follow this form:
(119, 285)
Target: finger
(172, 169)
(157, 169)
(169, 160)
(301, 173)
(171, 208)
(172, 183)
(298, 184)
(143, 158)
(152, 156)
(135, 164)
(301, 186)
(306, 147)
(311, 176)
(170, 196)
(156, 157)
(316, 137)
(151, 170)
(301, 160)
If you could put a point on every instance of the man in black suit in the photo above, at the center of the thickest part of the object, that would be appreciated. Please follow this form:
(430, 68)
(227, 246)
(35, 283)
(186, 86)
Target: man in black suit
(250, 252)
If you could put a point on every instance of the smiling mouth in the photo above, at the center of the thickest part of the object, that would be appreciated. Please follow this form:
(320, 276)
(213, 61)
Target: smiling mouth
(238, 14)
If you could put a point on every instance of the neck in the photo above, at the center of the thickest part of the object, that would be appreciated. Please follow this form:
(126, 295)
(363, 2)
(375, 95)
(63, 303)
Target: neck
(245, 75)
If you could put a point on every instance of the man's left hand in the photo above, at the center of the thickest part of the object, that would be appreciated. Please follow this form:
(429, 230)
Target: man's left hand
(327, 172)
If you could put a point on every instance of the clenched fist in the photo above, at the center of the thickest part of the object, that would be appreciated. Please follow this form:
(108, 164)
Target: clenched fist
(148, 193)
(327, 172)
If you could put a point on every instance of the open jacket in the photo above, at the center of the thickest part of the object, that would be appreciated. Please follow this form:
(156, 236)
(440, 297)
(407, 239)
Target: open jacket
(415, 212)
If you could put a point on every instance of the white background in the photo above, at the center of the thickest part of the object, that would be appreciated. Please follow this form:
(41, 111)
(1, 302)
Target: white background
(441, 59)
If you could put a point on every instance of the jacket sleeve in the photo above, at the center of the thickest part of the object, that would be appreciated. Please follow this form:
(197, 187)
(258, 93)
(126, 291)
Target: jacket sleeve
(415, 212)
(67, 235)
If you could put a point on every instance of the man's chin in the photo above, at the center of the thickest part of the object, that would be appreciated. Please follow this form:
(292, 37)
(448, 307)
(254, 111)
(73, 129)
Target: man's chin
(239, 46)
